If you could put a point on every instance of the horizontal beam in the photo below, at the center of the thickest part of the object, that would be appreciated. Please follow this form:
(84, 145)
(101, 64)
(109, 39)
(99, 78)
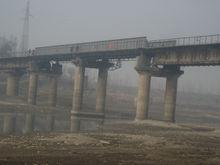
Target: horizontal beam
(195, 55)
(200, 55)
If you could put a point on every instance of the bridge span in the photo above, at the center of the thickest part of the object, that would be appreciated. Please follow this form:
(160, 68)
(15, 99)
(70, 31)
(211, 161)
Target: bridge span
(159, 58)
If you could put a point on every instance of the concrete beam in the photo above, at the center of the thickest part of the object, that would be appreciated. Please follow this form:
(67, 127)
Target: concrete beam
(196, 55)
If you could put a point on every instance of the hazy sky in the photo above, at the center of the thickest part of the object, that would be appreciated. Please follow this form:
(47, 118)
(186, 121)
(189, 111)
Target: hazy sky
(69, 21)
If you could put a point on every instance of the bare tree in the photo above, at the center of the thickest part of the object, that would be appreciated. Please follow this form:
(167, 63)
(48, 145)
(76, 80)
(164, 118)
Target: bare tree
(7, 47)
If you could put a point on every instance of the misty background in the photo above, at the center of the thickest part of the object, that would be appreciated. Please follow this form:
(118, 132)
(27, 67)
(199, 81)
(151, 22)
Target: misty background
(71, 21)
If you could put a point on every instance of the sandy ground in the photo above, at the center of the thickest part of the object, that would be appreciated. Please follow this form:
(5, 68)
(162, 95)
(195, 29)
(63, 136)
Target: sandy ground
(149, 142)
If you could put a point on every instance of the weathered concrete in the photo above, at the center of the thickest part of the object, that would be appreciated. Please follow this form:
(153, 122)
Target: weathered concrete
(54, 74)
(78, 88)
(75, 124)
(9, 123)
(12, 88)
(52, 100)
(197, 55)
(101, 90)
(170, 98)
(32, 97)
(52, 93)
(29, 123)
(32, 90)
(77, 93)
(142, 68)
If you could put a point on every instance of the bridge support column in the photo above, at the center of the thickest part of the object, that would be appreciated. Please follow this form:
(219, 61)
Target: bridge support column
(143, 65)
(32, 89)
(9, 124)
(52, 93)
(101, 90)
(32, 97)
(13, 78)
(170, 96)
(77, 95)
(52, 100)
(29, 123)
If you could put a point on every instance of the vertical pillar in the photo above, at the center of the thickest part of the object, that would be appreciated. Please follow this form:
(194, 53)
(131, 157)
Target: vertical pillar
(52, 100)
(77, 95)
(143, 96)
(9, 123)
(54, 74)
(52, 96)
(13, 83)
(32, 89)
(50, 122)
(32, 97)
(101, 90)
(143, 66)
(29, 123)
(170, 98)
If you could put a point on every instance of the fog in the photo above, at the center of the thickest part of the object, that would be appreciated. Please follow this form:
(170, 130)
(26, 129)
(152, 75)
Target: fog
(70, 21)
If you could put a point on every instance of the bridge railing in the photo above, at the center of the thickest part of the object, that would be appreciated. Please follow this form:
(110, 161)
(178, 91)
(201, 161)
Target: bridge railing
(18, 54)
(100, 46)
(184, 41)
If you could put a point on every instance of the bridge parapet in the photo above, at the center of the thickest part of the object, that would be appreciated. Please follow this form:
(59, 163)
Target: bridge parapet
(199, 55)
(184, 41)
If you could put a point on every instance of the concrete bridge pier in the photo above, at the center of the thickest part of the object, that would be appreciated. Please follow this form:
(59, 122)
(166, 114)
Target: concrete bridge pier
(32, 97)
(56, 72)
(13, 79)
(29, 123)
(143, 69)
(170, 95)
(52, 100)
(32, 89)
(101, 90)
(77, 95)
(52, 93)
(9, 123)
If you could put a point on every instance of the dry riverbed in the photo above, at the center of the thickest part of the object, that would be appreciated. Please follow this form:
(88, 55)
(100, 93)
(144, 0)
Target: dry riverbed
(124, 143)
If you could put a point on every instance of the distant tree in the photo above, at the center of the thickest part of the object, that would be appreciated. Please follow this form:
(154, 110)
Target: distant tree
(8, 47)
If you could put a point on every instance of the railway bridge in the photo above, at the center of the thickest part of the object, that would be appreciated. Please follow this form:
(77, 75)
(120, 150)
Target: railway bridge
(155, 58)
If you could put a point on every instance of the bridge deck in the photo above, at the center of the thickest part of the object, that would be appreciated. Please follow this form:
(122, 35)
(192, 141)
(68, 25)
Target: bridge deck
(124, 49)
